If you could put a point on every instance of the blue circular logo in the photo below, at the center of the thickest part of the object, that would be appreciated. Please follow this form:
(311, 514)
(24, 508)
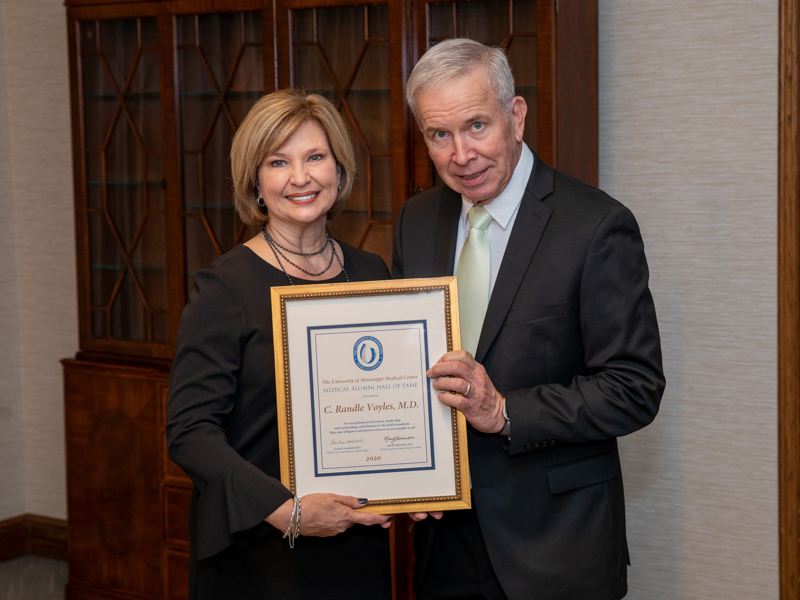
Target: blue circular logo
(368, 353)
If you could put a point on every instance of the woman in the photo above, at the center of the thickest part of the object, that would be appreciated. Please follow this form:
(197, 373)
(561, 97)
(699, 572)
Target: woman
(293, 166)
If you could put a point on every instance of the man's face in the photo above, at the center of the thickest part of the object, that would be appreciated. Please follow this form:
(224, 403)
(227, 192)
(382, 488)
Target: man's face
(473, 142)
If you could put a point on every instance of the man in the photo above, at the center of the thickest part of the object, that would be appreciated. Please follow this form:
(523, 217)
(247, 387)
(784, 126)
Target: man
(566, 359)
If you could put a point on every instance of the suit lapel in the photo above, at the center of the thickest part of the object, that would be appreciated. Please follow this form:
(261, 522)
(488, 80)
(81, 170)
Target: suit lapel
(528, 228)
(446, 234)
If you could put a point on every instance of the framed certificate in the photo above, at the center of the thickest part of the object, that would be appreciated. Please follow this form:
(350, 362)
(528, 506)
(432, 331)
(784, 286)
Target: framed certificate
(357, 415)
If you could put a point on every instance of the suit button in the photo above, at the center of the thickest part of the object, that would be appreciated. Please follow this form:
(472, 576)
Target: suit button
(536, 445)
(552, 442)
(528, 446)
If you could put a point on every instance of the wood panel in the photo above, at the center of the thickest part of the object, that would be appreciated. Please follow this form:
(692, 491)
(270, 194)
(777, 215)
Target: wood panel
(789, 297)
(577, 116)
(176, 569)
(14, 538)
(176, 516)
(114, 477)
(33, 534)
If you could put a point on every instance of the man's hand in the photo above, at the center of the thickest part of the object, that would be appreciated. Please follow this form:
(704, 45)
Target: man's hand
(462, 383)
(422, 516)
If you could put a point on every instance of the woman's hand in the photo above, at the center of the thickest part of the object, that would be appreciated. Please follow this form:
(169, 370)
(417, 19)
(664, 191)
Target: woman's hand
(325, 515)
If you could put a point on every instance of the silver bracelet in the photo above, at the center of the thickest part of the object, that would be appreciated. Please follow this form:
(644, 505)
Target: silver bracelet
(293, 531)
(296, 523)
(290, 529)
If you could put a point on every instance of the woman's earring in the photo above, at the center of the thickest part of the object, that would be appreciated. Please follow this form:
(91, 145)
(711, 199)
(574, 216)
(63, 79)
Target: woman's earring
(262, 206)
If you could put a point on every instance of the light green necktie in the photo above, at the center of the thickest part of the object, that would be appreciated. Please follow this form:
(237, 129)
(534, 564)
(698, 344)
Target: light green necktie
(473, 272)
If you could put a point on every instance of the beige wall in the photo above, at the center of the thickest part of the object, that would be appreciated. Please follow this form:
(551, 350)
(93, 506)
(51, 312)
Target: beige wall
(38, 302)
(12, 459)
(688, 115)
(688, 140)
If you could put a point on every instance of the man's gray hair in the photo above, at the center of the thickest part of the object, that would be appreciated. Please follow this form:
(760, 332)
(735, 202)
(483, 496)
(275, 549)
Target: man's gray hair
(457, 57)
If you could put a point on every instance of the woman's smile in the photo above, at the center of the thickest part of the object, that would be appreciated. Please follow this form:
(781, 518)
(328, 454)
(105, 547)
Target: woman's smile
(299, 181)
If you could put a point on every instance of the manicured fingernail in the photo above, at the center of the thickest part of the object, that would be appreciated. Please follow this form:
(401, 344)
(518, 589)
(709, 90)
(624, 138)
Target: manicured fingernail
(390, 519)
(362, 500)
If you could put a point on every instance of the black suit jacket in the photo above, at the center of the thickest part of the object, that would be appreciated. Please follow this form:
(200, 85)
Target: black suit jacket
(570, 339)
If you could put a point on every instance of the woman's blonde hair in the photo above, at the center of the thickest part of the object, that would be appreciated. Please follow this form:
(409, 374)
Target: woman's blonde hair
(269, 124)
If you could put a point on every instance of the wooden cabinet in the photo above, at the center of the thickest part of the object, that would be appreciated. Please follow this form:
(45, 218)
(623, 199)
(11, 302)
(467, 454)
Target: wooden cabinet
(158, 89)
(115, 479)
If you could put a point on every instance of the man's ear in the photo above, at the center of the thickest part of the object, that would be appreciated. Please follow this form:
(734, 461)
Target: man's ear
(519, 109)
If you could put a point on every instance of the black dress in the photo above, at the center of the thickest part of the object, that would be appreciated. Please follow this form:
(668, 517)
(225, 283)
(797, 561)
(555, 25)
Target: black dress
(222, 431)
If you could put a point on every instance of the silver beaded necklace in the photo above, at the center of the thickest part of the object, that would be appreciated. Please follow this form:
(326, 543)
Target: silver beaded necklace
(279, 250)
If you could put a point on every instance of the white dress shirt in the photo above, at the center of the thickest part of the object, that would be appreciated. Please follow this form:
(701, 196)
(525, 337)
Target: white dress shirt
(504, 210)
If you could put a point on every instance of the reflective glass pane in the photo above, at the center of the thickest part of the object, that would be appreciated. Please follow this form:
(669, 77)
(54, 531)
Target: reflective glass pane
(221, 76)
(491, 22)
(348, 63)
(124, 177)
(487, 22)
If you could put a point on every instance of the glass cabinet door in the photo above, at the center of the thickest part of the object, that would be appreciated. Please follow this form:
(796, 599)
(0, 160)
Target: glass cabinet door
(510, 24)
(158, 97)
(343, 53)
(122, 182)
(220, 77)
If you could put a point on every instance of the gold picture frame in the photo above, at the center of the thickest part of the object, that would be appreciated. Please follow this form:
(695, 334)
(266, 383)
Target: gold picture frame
(356, 413)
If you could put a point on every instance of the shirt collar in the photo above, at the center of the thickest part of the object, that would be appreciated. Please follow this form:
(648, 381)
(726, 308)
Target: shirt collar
(505, 205)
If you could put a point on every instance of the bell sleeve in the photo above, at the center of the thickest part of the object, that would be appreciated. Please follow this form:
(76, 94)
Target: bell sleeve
(235, 495)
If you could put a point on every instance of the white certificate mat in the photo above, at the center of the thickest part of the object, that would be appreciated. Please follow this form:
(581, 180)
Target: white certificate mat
(370, 412)
(357, 415)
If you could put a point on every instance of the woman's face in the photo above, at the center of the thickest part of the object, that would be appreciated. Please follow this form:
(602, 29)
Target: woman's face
(299, 181)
